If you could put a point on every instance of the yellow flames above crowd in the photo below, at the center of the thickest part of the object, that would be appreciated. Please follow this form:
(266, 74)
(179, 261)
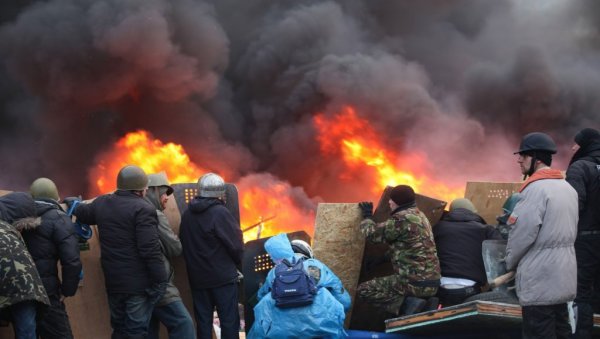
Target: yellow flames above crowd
(270, 208)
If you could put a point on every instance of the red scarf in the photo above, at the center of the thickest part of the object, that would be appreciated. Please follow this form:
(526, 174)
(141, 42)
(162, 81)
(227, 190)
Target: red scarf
(546, 173)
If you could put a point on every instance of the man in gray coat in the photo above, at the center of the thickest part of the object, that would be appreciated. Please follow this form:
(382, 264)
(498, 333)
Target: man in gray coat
(169, 310)
(541, 241)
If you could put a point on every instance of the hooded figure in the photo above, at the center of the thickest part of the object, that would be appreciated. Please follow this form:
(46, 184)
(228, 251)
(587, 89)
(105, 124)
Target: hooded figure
(170, 309)
(324, 318)
(21, 289)
(584, 175)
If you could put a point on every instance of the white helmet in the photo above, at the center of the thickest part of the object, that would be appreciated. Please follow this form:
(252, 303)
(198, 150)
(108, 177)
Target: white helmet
(211, 185)
(302, 247)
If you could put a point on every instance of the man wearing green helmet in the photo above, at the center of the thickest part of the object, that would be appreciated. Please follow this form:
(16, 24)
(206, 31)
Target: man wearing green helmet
(170, 309)
(134, 272)
(52, 241)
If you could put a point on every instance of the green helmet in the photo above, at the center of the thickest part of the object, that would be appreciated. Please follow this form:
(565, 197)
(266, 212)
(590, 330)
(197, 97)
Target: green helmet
(44, 188)
(159, 179)
(132, 178)
(462, 203)
(508, 207)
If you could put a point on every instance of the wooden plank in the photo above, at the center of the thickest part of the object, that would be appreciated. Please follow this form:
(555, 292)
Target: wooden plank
(483, 316)
(488, 197)
(474, 316)
(338, 242)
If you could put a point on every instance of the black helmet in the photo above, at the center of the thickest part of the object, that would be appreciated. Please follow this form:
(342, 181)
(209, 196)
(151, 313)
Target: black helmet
(537, 142)
(132, 178)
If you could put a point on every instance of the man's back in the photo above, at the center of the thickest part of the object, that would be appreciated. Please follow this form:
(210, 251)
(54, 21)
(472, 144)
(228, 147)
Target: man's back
(54, 239)
(458, 238)
(128, 232)
(212, 243)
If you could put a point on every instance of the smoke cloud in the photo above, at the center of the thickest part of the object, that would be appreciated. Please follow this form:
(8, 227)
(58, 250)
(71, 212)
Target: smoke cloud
(237, 83)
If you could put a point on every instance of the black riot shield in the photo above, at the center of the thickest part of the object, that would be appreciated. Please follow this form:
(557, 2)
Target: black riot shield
(183, 193)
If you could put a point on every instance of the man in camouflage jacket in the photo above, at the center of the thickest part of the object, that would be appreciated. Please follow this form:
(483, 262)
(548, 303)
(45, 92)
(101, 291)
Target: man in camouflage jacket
(412, 249)
(21, 289)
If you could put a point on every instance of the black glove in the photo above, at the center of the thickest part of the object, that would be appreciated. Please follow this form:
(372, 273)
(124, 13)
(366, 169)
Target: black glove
(367, 208)
(69, 201)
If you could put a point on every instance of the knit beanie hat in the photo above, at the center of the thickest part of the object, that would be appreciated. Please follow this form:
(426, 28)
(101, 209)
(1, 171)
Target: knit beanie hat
(462, 203)
(586, 136)
(402, 194)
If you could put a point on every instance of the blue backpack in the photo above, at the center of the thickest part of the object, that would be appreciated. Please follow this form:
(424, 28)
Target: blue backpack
(292, 286)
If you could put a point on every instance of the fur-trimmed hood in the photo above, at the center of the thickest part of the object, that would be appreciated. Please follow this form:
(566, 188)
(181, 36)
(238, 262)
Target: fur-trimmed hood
(16, 205)
(29, 223)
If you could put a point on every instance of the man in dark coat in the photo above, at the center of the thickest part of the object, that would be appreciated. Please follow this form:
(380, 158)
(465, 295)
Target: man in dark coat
(53, 240)
(21, 290)
(134, 272)
(584, 175)
(212, 248)
(458, 238)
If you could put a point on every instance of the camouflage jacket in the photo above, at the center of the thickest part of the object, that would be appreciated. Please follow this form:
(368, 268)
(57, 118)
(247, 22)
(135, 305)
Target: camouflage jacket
(412, 247)
(19, 278)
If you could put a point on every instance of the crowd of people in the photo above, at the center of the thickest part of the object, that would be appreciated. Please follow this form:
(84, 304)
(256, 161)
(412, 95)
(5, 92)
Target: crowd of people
(552, 226)
(551, 229)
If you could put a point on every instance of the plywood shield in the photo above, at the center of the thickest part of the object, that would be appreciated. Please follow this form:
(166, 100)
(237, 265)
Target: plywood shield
(488, 197)
(338, 242)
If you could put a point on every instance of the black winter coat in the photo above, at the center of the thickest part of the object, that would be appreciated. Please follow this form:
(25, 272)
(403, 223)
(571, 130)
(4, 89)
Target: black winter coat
(212, 243)
(584, 176)
(55, 239)
(129, 244)
(458, 237)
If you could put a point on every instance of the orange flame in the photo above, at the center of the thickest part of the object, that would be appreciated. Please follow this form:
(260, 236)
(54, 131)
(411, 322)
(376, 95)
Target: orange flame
(360, 146)
(276, 198)
(141, 149)
(257, 202)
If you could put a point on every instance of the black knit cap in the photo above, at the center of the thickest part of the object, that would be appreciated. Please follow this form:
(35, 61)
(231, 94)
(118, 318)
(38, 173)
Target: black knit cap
(586, 136)
(402, 194)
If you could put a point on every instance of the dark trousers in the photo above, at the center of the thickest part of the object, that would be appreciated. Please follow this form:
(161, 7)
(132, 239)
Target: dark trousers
(225, 299)
(450, 297)
(546, 322)
(54, 322)
(588, 276)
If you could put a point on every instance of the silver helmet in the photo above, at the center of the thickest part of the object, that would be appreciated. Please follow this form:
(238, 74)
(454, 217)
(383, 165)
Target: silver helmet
(302, 247)
(211, 185)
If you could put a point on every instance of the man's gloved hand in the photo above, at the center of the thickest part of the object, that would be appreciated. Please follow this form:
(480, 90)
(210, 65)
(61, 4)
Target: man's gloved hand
(240, 276)
(69, 201)
(367, 208)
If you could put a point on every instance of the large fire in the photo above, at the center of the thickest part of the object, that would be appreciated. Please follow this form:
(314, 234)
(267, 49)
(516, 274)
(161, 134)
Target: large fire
(267, 204)
(265, 209)
(359, 145)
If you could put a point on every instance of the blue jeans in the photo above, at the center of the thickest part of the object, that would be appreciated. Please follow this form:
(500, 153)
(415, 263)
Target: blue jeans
(176, 319)
(23, 319)
(225, 299)
(129, 314)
